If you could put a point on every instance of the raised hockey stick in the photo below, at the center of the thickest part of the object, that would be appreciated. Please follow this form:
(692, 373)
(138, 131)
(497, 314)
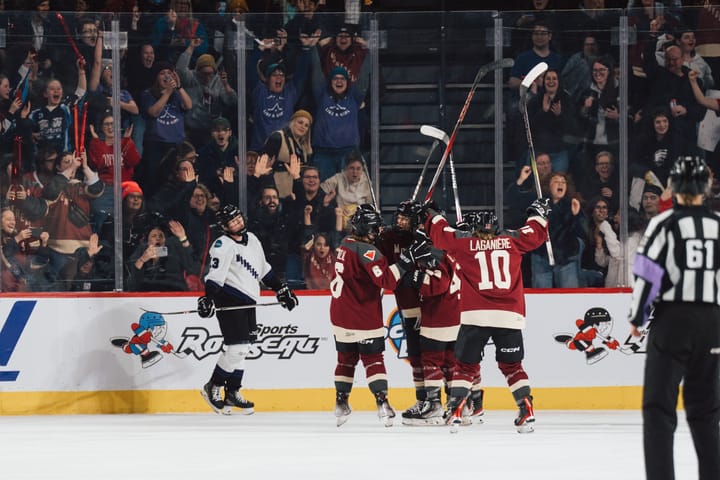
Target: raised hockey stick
(367, 175)
(428, 131)
(438, 134)
(532, 75)
(484, 70)
(219, 309)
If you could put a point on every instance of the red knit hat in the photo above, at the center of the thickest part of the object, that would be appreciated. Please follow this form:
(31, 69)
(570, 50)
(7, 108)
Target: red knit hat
(130, 187)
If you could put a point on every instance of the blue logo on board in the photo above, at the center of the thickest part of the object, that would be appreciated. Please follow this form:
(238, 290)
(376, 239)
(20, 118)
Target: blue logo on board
(10, 335)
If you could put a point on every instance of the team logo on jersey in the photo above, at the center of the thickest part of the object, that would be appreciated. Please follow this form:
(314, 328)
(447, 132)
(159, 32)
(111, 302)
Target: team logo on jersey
(593, 337)
(395, 334)
(217, 243)
(370, 255)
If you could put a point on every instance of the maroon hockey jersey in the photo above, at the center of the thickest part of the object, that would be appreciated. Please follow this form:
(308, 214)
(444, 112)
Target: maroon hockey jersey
(390, 243)
(440, 301)
(362, 272)
(491, 291)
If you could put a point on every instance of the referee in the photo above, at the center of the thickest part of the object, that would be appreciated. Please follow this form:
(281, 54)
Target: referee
(677, 272)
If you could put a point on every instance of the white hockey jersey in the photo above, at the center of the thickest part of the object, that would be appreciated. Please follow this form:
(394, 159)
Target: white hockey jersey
(235, 267)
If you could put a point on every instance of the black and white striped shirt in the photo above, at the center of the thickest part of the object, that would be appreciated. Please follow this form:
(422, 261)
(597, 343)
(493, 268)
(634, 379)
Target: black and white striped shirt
(678, 260)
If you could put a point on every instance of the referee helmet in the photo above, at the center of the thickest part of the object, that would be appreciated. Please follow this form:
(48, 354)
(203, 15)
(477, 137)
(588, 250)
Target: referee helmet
(690, 175)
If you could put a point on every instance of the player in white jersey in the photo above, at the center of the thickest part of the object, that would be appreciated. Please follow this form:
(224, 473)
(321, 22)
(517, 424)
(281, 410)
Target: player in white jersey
(237, 266)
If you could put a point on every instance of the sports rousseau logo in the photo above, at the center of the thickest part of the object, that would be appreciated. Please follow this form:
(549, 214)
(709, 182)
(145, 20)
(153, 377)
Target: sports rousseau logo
(281, 341)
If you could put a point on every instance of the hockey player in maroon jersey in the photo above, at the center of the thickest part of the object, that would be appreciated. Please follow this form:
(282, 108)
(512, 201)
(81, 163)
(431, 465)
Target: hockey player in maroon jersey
(362, 272)
(492, 300)
(439, 288)
(390, 242)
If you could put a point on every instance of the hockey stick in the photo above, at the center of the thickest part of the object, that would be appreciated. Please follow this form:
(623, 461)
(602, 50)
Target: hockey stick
(367, 175)
(627, 350)
(219, 309)
(442, 136)
(484, 70)
(532, 75)
(438, 135)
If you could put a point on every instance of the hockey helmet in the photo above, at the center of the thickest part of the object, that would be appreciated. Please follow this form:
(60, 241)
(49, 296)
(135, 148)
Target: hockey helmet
(154, 322)
(600, 318)
(410, 209)
(366, 221)
(690, 175)
(484, 221)
(227, 213)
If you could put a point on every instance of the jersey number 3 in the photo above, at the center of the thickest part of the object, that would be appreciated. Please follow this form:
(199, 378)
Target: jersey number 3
(494, 271)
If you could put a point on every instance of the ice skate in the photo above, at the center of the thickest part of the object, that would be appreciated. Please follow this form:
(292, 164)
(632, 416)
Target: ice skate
(342, 408)
(454, 412)
(475, 406)
(213, 396)
(233, 398)
(148, 359)
(432, 413)
(525, 421)
(385, 412)
(595, 355)
(412, 412)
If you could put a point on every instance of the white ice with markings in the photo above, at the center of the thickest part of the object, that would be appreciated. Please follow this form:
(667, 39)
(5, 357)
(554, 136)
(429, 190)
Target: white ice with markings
(565, 445)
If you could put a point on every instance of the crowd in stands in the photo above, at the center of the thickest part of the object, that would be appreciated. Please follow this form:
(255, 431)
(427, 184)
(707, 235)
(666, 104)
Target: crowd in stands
(307, 91)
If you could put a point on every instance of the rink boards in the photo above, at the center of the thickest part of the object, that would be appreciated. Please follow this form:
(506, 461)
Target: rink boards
(98, 354)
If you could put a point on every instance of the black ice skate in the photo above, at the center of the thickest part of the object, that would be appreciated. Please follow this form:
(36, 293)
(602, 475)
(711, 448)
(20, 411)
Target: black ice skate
(475, 406)
(525, 421)
(342, 408)
(453, 415)
(213, 396)
(595, 355)
(233, 398)
(412, 411)
(385, 412)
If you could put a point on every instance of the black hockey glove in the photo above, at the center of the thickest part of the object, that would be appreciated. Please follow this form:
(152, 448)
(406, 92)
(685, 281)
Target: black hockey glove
(421, 238)
(205, 307)
(286, 297)
(417, 278)
(420, 249)
(540, 207)
(406, 261)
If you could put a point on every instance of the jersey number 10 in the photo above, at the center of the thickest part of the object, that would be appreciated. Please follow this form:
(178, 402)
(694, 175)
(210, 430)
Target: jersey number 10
(495, 271)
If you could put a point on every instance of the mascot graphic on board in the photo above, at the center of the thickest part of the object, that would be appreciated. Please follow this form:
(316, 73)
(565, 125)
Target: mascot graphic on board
(593, 337)
(149, 337)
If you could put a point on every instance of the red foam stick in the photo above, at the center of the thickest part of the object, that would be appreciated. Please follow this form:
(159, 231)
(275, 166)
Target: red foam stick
(194, 28)
(75, 126)
(82, 128)
(69, 37)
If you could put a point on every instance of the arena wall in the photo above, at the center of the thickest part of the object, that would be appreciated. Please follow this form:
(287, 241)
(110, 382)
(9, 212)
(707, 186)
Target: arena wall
(62, 354)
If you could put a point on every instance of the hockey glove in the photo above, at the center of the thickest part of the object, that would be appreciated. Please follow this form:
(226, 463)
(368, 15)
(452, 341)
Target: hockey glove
(420, 237)
(417, 278)
(429, 209)
(540, 208)
(286, 297)
(406, 260)
(205, 307)
(420, 249)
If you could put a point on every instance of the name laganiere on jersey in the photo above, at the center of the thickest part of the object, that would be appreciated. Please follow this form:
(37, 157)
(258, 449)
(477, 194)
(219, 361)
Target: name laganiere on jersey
(477, 244)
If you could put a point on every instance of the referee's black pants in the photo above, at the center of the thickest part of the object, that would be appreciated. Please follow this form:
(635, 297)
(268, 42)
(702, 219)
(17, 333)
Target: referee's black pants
(683, 344)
